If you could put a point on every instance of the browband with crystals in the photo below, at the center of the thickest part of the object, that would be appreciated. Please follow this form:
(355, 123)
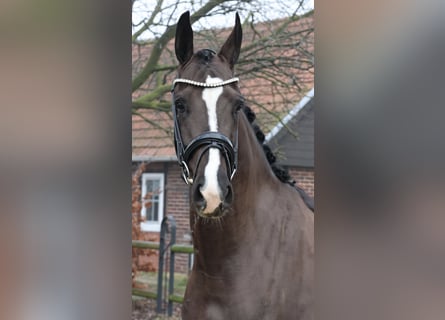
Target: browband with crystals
(203, 84)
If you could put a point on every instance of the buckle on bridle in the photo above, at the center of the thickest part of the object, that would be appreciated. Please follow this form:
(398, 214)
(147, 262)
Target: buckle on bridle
(233, 172)
(186, 173)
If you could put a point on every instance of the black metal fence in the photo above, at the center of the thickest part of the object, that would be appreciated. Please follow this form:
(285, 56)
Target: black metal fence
(168, 227)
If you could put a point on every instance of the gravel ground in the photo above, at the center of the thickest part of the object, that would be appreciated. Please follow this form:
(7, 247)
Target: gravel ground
(144, 309)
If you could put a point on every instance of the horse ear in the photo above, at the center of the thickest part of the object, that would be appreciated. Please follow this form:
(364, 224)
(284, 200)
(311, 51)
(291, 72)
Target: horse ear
(232, 47)
(184, 38)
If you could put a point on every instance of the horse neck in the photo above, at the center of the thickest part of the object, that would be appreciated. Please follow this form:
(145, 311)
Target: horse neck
(254, 170)
(217, 241)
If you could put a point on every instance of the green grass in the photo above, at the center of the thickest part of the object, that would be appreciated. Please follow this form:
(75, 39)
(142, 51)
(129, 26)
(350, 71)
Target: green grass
(151, 279)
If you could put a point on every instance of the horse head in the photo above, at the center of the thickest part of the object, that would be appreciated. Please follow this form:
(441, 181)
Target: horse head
(206, 101)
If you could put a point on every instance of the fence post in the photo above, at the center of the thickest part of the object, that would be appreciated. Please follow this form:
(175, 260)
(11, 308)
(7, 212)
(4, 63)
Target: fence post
(171, 278)
(161, 265)
(168, 220)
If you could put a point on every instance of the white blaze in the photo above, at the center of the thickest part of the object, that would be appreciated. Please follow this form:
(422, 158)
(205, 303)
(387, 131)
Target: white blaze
(211, 190)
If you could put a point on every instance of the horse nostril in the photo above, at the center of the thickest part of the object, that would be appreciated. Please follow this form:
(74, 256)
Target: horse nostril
(228, 196)
(198, 198)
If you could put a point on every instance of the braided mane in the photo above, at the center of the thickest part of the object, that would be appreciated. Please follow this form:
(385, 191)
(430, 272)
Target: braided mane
(280, 172)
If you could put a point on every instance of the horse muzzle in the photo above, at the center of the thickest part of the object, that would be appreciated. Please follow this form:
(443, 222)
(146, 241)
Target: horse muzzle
(212, 200)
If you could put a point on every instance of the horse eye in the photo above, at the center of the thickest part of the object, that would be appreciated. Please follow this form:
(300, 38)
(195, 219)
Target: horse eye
(180, 105)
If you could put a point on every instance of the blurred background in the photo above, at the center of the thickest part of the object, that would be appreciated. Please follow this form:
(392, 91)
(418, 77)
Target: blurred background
(65, 141)
(380, 159)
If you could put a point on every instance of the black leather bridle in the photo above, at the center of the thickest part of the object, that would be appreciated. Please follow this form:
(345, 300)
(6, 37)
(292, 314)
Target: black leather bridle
(206, 140)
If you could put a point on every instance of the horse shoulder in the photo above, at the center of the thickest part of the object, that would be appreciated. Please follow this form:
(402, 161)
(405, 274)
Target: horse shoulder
(285, 248)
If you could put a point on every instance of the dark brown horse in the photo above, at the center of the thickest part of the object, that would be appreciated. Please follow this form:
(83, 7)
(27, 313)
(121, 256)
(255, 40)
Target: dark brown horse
(253, 234)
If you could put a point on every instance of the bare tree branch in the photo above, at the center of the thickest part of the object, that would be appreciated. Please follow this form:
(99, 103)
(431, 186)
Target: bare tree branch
(277, 57)
(147, 24)
(160, 44)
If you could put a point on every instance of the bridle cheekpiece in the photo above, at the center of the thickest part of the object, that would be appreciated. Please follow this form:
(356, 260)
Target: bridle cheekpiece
(206, 140)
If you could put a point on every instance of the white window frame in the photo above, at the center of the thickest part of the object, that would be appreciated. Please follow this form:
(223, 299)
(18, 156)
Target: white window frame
(152, 226)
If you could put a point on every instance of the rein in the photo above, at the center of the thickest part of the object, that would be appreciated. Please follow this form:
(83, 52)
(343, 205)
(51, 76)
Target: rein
(206, 140)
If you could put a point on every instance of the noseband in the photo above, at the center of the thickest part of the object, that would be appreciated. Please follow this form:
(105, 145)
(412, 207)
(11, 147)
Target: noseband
(206, 140)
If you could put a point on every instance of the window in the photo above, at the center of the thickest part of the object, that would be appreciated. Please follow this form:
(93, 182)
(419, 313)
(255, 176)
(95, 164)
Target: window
(152, 201)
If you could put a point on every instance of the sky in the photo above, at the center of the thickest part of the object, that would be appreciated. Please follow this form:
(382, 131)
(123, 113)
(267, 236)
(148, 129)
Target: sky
(142, 9)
